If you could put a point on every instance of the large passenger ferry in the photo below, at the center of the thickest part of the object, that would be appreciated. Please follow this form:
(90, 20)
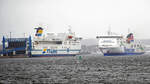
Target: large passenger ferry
(118, 45)
(51, 44)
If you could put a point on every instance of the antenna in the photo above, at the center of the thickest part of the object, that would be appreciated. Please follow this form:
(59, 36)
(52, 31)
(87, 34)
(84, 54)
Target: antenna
(128, 30)
(109, 29)
(69, 28)
(10, 35)
(24, 34)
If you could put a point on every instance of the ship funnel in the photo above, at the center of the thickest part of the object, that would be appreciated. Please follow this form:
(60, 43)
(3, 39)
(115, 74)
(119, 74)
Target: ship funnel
(39, 31)
(130, 37)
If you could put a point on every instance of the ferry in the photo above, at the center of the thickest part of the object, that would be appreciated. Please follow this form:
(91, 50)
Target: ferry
(112, 45)
(51, 44)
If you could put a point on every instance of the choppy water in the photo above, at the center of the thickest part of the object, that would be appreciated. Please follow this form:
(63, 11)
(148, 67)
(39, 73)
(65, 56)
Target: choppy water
(92, 68)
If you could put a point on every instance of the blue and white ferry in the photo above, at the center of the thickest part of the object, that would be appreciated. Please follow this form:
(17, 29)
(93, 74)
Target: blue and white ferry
(112, 45)
(51, 44)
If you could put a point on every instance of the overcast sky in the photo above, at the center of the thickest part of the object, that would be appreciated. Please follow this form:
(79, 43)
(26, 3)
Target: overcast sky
(88, 18)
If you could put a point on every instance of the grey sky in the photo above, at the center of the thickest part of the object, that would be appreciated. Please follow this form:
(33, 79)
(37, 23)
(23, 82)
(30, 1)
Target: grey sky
(88, 18)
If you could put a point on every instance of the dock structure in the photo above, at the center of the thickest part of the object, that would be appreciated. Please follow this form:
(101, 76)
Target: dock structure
(16, 46)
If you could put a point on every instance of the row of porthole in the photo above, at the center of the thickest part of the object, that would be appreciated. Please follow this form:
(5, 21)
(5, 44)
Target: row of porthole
(64, 47)
(134, 46)
(71, 43)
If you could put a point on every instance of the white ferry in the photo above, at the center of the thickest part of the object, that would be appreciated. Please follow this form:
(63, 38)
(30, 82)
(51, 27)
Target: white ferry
(61, 44)
(111, 45)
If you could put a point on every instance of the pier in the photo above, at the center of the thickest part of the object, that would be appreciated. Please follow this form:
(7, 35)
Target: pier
(12, 47)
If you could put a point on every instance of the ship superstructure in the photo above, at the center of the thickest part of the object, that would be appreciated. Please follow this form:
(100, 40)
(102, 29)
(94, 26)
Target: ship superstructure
(118, 45)
(61, 44)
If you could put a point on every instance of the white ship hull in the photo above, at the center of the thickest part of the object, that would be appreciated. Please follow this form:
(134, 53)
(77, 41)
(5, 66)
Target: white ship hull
(112, 50)
(120, 51)
(58, 52)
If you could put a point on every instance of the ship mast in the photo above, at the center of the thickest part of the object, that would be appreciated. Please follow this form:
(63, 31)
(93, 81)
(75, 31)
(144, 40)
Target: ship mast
(109, 30)
(69, 29)
(128, 30)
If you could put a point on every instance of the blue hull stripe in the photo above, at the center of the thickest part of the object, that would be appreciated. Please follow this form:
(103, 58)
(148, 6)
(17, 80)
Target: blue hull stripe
(49, 55)
(59, 50)
(118, 54)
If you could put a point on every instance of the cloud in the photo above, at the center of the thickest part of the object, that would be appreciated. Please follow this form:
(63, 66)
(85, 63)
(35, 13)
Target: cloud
(88, 18)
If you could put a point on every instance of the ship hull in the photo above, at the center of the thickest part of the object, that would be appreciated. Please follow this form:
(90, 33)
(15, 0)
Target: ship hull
(112, 50)
(40, 53)
(116, 51)
(120, 51)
